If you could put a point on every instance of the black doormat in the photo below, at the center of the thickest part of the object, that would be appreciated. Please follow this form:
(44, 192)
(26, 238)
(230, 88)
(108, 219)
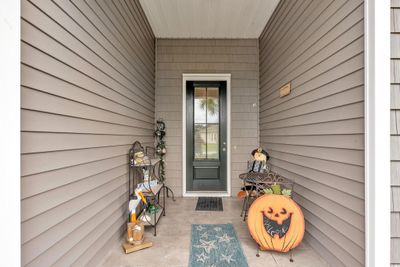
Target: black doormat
(209, 203)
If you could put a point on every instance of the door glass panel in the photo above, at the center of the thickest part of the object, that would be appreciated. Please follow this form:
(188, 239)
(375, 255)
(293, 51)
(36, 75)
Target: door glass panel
(206, 123)
(200, 105)
(200, 141)
(212, 105)
(212, 141)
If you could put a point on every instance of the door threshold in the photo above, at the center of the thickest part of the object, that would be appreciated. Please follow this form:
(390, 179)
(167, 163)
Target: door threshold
(206, 194)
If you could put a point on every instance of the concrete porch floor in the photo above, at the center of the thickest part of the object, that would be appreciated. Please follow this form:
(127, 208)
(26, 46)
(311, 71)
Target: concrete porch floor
(171, 246)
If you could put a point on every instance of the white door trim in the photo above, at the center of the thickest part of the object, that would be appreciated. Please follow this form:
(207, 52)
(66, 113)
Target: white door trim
(377, 132)
(207, 77)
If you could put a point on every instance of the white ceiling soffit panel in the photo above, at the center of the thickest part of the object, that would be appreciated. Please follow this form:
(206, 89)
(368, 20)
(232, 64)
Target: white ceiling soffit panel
(208, 18)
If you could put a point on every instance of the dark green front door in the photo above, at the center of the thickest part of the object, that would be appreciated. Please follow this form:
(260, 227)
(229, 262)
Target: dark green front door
(206, 148)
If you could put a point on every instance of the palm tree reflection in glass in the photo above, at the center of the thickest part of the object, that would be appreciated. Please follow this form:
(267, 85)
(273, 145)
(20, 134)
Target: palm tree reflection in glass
(206, 128)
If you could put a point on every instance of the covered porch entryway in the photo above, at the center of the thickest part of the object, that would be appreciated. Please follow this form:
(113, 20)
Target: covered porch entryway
(97, 74)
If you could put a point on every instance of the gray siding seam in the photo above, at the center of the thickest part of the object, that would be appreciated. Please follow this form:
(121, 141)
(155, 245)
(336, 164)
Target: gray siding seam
(312, 112)
(77, 117)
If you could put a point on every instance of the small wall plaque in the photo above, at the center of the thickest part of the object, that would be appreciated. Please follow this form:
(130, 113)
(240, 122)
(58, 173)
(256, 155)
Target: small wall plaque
(285, 90)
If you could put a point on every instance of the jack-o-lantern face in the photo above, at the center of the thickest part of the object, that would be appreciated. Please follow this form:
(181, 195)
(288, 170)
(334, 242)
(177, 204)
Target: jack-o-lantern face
(276, 222)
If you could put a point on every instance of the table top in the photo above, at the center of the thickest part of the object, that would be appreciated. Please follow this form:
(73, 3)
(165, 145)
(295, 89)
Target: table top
(149, 163)
(264, 178)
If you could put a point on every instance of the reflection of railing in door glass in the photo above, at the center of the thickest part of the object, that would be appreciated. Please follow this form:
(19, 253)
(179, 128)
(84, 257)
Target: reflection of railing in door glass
(206, 123)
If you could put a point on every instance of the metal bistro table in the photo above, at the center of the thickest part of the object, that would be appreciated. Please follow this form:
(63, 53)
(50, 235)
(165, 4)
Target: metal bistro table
(257, 182)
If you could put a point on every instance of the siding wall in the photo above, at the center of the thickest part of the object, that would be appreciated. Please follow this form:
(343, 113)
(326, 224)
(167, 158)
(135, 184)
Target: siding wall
(395, 132)
(238, 57)
(87, 94)
(316, 134)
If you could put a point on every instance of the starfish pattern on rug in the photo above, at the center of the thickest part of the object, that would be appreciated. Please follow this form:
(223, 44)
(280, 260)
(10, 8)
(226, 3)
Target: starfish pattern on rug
(215, 245)
(202, 257)
(204, 235)
(224, 238)
(207, 245)
(227, 258)
(200, 228)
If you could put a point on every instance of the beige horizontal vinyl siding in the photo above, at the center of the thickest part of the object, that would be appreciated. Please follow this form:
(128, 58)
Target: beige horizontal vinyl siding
(315, 135)
(87, 93)
(239, 57)
(395, 132)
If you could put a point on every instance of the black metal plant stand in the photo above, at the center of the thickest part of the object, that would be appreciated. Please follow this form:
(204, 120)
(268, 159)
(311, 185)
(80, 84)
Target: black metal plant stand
(152, 192)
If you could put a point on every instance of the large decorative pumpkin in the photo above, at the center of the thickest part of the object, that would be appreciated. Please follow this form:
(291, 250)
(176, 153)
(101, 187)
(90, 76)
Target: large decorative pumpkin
(276, 222)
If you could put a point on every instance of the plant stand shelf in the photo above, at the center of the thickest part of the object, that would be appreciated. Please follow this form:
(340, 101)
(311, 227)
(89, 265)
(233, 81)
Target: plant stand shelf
(158, 192)
(154, 193)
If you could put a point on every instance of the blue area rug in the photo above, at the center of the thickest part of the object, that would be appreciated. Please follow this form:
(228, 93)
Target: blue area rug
(215, 245)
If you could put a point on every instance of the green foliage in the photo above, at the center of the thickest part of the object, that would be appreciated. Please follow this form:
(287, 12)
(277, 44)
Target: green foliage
(287, 192)
(276, 188)
(210, 104)
(278, 191)
(268, 191)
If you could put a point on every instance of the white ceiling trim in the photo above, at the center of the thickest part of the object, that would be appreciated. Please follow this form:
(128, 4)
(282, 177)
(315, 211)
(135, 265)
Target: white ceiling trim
(208, 18)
